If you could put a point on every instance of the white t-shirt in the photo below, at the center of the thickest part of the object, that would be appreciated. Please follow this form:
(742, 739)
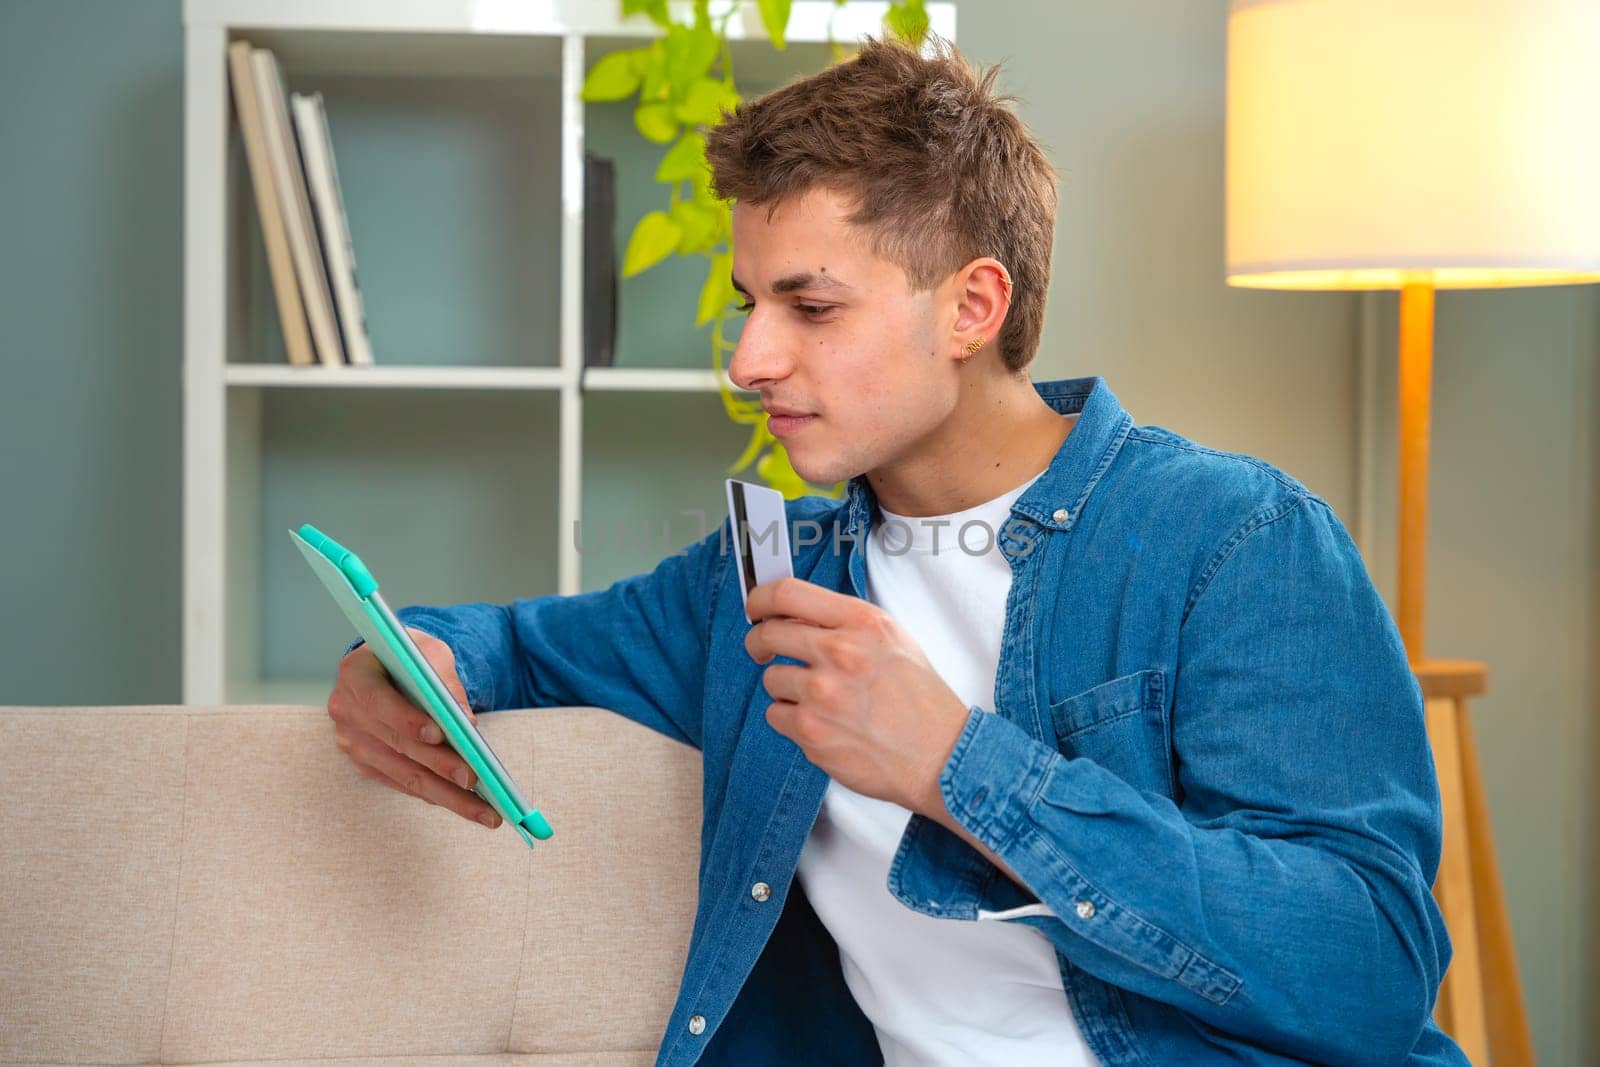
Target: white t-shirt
(938, 991)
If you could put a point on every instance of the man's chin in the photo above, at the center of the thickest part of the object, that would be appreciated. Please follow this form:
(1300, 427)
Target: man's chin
(813, 471)
(821, 468)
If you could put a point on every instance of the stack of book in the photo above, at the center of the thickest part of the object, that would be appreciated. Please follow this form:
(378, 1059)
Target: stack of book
(301, 207)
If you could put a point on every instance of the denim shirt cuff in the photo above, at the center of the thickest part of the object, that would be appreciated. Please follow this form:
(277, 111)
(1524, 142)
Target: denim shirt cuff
(992, 776)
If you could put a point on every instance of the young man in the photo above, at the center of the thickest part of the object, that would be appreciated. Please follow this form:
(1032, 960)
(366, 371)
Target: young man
(1072, 742)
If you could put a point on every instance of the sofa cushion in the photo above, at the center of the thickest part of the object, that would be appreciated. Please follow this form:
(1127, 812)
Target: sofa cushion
(192, 884)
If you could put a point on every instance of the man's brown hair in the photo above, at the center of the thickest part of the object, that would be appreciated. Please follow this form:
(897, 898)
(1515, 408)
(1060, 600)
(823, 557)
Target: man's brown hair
(940, 170)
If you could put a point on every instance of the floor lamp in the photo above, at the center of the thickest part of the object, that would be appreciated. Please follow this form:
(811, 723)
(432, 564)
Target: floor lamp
(1420, 145)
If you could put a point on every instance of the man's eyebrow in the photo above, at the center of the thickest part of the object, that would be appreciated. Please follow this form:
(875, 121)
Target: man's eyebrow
(791, 283)
(806, 280)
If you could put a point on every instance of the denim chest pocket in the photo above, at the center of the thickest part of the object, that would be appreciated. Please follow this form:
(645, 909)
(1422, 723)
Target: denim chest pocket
(1123, 726)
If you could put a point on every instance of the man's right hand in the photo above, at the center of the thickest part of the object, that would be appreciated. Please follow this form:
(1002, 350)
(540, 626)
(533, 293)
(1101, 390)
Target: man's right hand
(391, 741)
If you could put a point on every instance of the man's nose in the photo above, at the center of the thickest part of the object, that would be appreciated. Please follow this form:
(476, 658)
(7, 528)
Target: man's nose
(756, 358)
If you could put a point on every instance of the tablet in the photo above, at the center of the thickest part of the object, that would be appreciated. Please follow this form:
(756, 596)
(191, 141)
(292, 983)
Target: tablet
(356, 592)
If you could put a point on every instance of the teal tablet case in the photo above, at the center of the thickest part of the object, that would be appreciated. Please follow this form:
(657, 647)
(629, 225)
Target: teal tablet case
(356, 592)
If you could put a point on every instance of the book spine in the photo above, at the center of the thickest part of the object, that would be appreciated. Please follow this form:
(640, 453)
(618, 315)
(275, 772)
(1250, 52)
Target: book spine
(287, 169)
(318, 228)
(280, 264)
(599, 261)
(323, 175)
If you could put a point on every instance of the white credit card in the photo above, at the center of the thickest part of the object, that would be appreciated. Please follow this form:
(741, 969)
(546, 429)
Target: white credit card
(760, 536)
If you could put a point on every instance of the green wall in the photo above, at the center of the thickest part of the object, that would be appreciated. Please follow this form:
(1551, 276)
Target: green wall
(91, 351)
(1129, 97)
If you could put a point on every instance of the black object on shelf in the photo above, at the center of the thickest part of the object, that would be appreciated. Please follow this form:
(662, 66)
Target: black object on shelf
(599, 261)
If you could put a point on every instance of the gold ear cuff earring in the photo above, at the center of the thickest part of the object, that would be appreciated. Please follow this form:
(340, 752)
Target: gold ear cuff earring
(973, 346)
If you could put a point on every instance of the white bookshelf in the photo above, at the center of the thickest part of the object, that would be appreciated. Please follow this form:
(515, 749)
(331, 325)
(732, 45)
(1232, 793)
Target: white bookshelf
(461, 473)
(282, 376)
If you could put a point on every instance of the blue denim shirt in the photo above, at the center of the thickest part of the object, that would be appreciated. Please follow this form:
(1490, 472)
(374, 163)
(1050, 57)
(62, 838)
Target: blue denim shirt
(1206, 755)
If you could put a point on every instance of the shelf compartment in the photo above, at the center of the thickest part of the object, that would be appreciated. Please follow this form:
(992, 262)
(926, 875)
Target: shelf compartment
(449, 497)
(453, 190)
(653, 471)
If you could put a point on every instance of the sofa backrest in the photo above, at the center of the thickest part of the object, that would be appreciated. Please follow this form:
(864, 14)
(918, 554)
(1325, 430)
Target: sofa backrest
(202, 884)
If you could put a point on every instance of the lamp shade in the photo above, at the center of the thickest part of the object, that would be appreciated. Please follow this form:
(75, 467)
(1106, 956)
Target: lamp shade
(1377, 143)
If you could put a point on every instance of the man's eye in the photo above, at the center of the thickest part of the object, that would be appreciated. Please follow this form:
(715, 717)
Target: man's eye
(804, 309)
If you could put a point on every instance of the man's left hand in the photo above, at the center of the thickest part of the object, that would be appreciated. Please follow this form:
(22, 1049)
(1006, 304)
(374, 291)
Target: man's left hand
(864, 704)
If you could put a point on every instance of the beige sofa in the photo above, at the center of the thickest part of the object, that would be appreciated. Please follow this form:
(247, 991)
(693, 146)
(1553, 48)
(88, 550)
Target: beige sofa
(219, 885)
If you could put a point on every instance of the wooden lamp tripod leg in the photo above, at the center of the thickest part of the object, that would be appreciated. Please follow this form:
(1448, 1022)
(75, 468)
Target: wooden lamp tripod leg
(1461, 1008)
(1510, 1041)
(1480, 1000)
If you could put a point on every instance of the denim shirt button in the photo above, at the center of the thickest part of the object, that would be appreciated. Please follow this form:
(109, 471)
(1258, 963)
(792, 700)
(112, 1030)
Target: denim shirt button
(1060, 515)
(761, 891)
(697, 1024)
(1085, 909)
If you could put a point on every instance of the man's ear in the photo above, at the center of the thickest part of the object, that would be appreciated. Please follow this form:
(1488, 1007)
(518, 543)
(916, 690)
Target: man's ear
(982, 292)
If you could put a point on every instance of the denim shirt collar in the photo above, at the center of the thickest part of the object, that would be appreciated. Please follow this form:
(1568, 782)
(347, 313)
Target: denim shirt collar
(1057, 498)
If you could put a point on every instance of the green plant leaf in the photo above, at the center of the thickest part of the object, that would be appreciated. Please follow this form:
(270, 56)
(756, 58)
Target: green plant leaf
(775, 17)
(684, 160)
(701, 185)
(908, 21)
(717, 292)
(690, 52)
(655, 121)
(654, 83)
(722, 211)
(655, 9)
(705, 102)
(653, 239)
(615, 77)
(698, 223)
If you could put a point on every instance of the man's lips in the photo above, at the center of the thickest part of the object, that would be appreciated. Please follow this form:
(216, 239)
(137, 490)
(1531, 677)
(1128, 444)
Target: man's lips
(782, 422)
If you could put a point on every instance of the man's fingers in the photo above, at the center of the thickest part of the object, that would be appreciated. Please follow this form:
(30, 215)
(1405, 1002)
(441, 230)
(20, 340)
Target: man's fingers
(440, 759)
(376, 707)
(797, 598)
(475, 812)
(784, 637)
(408, 776)
(378, 776)
(391, 741)
(783, 681)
